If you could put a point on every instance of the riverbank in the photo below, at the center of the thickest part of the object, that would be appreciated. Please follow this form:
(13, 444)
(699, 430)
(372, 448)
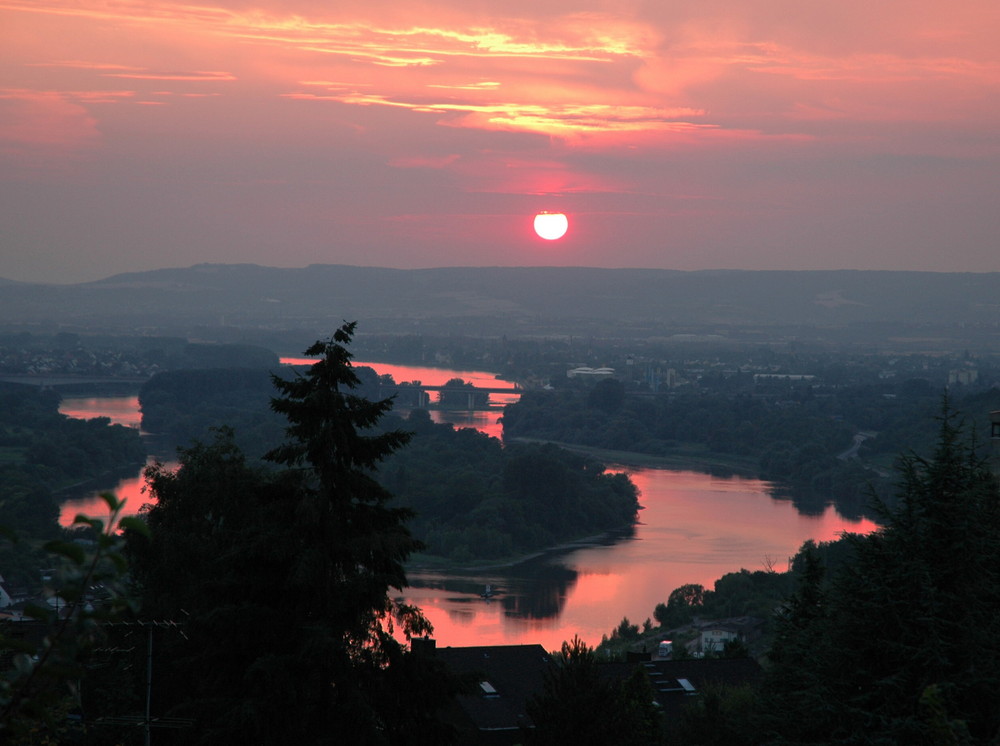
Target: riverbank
(685, 458)
(430, 562)
(103, 482)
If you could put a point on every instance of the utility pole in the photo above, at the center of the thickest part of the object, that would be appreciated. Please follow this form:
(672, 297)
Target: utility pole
(147, 721)
(995, 441)
(149, 682)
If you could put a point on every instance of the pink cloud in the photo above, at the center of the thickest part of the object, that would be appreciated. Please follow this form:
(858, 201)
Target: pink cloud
(420, 161)
(195, 75)
(339, 118)
(45, 118)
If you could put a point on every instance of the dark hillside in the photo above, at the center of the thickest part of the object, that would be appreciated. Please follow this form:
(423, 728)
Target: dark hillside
(935, 307)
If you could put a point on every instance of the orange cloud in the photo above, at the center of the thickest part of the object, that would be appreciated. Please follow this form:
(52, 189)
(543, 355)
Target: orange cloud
(659, 75)
(577, 41)
(495, 173)
(420, 161)
(126, 11)
(49, 118)
(197, 75)
(99, 97)
(560, 120)
(84, 65)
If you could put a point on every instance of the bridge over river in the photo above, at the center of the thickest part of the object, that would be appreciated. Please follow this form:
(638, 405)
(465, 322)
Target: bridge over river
(471, 394)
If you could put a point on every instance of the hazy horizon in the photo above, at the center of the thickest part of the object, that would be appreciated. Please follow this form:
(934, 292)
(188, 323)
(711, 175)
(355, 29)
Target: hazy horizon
(729, 135)
(485, 267)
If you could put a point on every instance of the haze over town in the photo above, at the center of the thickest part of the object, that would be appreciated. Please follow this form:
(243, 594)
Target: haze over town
(744, 135)
(781, 253)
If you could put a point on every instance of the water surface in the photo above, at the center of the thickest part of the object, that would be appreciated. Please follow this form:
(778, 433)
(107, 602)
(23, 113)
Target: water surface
(694, 528)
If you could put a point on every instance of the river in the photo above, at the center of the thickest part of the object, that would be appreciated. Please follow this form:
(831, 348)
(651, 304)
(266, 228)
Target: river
(487, 421)
(121, 410)
(693, 528)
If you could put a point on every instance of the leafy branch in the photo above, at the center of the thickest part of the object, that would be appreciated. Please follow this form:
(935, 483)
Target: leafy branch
(85, 590)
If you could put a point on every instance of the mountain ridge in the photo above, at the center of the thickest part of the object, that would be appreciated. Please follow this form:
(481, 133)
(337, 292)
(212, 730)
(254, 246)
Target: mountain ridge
(478, 299)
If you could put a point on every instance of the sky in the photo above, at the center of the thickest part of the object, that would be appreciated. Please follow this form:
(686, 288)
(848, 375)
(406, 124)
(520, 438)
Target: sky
(679, 134)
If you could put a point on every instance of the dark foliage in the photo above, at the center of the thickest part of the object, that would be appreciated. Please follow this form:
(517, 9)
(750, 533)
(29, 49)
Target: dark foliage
(580, 706)
(471, 498)
(287, 579)
(474, 499)
(900, 645)
(45, 656)
(186, 404)
(458, 393)
(790, 438)
(43, 451)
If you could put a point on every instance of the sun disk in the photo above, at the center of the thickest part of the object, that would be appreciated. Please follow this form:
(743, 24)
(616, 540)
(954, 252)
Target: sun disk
(551, 225)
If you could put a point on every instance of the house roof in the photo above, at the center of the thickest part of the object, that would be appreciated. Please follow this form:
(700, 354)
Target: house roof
(704, 672)
(674, 681)
(510, 675)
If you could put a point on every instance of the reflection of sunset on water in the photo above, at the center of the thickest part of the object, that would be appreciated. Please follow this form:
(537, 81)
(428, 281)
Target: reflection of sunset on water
(694, 528)
(486, 421)
(122, 410)
(132, 489)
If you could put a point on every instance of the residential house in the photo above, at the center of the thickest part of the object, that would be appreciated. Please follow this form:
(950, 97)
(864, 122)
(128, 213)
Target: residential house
(715, 635)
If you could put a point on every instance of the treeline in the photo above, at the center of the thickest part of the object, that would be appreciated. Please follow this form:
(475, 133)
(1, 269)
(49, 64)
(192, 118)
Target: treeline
(72, 354)
(884, 638)
(41, 453)
(185, 405)
(888, 638)
(751, 593)
(458, 396)
(284, 582)
(271, 594)
(793, 440)
(472, 499)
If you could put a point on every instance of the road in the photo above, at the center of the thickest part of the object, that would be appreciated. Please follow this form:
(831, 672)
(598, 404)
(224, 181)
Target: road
(852, 452)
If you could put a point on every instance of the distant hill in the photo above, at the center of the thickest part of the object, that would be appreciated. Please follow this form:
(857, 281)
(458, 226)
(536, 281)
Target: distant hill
(510, 300)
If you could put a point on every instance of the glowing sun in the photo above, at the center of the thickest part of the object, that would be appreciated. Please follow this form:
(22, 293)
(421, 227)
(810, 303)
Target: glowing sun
(551, 225)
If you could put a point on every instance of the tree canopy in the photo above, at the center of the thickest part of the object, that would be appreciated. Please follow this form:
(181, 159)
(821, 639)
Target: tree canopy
(472, 498)
(287, 579)
(900, 645)
(579, 704)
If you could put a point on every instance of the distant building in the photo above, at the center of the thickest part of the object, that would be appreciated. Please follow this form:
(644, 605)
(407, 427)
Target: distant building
(715, 635)
(758, 377)
(963, 376)
(590, 373)
(677, 683)
(511, 675)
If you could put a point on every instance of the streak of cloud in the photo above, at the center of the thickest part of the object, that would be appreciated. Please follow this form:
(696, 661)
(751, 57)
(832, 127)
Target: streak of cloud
(758, 133)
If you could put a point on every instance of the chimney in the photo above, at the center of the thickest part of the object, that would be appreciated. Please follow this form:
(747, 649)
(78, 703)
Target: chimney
(423, 646)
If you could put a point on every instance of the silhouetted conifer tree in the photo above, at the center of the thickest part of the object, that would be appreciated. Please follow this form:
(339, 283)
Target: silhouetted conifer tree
(902, 646)
(287, 578)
